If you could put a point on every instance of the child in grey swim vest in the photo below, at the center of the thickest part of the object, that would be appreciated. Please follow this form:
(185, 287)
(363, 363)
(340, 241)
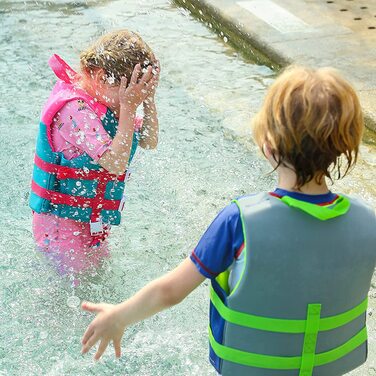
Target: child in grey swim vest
(290, 269)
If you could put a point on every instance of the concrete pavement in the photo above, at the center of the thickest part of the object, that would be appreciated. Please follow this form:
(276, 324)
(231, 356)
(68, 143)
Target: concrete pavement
(337, 33)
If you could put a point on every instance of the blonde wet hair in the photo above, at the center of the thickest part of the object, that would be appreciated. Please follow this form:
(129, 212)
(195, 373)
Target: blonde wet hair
(310, 118)
(117, 53)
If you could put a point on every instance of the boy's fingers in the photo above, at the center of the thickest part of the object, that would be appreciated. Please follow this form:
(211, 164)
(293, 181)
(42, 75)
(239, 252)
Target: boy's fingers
(88, 333)
(101, 349)
(90, 343)
(91, 307)
(135, 73)
(117, 347)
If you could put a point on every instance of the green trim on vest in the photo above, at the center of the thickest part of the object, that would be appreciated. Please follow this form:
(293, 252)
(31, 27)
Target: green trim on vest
(222, 280)
(339, 207)
(283, 363)
(284, 325)
(310, 339)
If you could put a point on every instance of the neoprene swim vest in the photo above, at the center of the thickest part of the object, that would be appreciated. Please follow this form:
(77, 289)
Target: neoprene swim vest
(78, 188)
(299, 307)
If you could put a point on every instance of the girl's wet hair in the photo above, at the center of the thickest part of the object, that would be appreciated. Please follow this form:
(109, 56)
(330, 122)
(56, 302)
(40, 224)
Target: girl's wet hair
(117, 53)
(313, 122)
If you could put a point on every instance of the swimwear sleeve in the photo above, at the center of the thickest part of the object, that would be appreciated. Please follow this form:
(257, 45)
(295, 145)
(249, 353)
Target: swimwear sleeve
(220, 244)
(138, 123)
(81, 127)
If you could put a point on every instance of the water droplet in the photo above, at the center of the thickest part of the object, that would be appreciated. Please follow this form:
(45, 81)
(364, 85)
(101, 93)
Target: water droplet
(73, 301)
(43, 335)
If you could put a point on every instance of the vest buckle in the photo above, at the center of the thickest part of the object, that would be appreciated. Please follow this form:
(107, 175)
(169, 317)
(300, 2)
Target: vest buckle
(128, 173)
(96, 228)
(122, 203)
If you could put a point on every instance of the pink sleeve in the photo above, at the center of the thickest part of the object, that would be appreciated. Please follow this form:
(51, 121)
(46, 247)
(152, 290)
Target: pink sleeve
(81, 127)
(138, 122)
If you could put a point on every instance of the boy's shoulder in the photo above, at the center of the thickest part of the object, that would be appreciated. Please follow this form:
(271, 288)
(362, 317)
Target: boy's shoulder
(232, 209)
(252, 197)
(360, 202)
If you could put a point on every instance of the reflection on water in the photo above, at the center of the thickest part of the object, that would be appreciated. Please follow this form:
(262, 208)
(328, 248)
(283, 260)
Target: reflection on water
(206, 98)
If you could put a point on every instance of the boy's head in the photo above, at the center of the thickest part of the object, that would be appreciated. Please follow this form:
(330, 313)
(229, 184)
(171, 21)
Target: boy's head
(308, 120)
(116, 53)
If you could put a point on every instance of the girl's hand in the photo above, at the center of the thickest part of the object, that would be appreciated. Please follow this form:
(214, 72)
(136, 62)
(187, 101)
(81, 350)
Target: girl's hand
(153, 83)
(137, 90)
(106, 327)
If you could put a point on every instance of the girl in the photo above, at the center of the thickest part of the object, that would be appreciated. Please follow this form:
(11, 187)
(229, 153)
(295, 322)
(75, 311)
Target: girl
(88, 135)
(290, 269)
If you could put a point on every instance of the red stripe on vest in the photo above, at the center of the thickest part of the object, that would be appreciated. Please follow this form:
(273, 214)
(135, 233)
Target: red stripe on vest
(65, 172)
(96, 204)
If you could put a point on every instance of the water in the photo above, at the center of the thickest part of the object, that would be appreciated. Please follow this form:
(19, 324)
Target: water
(206, 98)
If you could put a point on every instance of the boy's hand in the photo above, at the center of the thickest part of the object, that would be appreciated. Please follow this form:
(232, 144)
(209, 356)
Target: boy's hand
(106, 327)
(137, 90)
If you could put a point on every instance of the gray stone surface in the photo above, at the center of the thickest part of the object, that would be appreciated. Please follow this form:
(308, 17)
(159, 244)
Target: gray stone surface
(317, 33)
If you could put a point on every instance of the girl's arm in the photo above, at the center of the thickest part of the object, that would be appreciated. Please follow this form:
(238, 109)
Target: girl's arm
(150, 128)
(115, 158)
(111, 320)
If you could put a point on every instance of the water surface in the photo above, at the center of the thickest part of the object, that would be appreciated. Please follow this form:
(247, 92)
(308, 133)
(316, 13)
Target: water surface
(206, 98)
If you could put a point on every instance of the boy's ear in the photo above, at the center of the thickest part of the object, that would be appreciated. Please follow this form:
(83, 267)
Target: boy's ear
(267, 150)
(270, 153)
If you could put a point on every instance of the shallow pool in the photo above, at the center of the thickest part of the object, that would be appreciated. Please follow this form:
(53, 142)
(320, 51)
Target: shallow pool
(206, 98)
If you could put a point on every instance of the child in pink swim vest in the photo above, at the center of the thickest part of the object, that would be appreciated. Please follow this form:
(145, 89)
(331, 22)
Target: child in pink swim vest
(88, 135)
(290, 269)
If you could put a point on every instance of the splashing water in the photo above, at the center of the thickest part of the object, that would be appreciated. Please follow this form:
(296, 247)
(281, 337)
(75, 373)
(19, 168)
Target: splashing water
(206, 98)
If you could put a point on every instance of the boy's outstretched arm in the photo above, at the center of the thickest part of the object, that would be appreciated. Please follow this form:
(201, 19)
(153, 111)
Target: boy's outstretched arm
(164, 292)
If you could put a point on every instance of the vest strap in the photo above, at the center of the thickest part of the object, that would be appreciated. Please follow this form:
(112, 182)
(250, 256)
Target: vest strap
(283, 325)
(310, 339)
(76, 201)
(96, 225)
(61, 68)
(288, 362)
(65, 172)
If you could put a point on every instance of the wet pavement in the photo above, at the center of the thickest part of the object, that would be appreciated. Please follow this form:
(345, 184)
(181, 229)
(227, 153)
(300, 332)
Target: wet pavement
(337, 33)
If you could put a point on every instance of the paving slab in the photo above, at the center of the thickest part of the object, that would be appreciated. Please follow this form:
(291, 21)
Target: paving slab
(317, 33)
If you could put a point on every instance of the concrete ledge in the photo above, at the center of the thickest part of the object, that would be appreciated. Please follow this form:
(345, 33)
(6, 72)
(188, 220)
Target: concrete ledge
(302, 32)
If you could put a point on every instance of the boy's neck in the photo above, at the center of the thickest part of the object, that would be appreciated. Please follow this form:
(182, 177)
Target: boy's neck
(287, 180)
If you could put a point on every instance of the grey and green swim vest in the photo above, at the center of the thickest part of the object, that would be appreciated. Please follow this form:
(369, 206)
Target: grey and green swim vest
(299, 307)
